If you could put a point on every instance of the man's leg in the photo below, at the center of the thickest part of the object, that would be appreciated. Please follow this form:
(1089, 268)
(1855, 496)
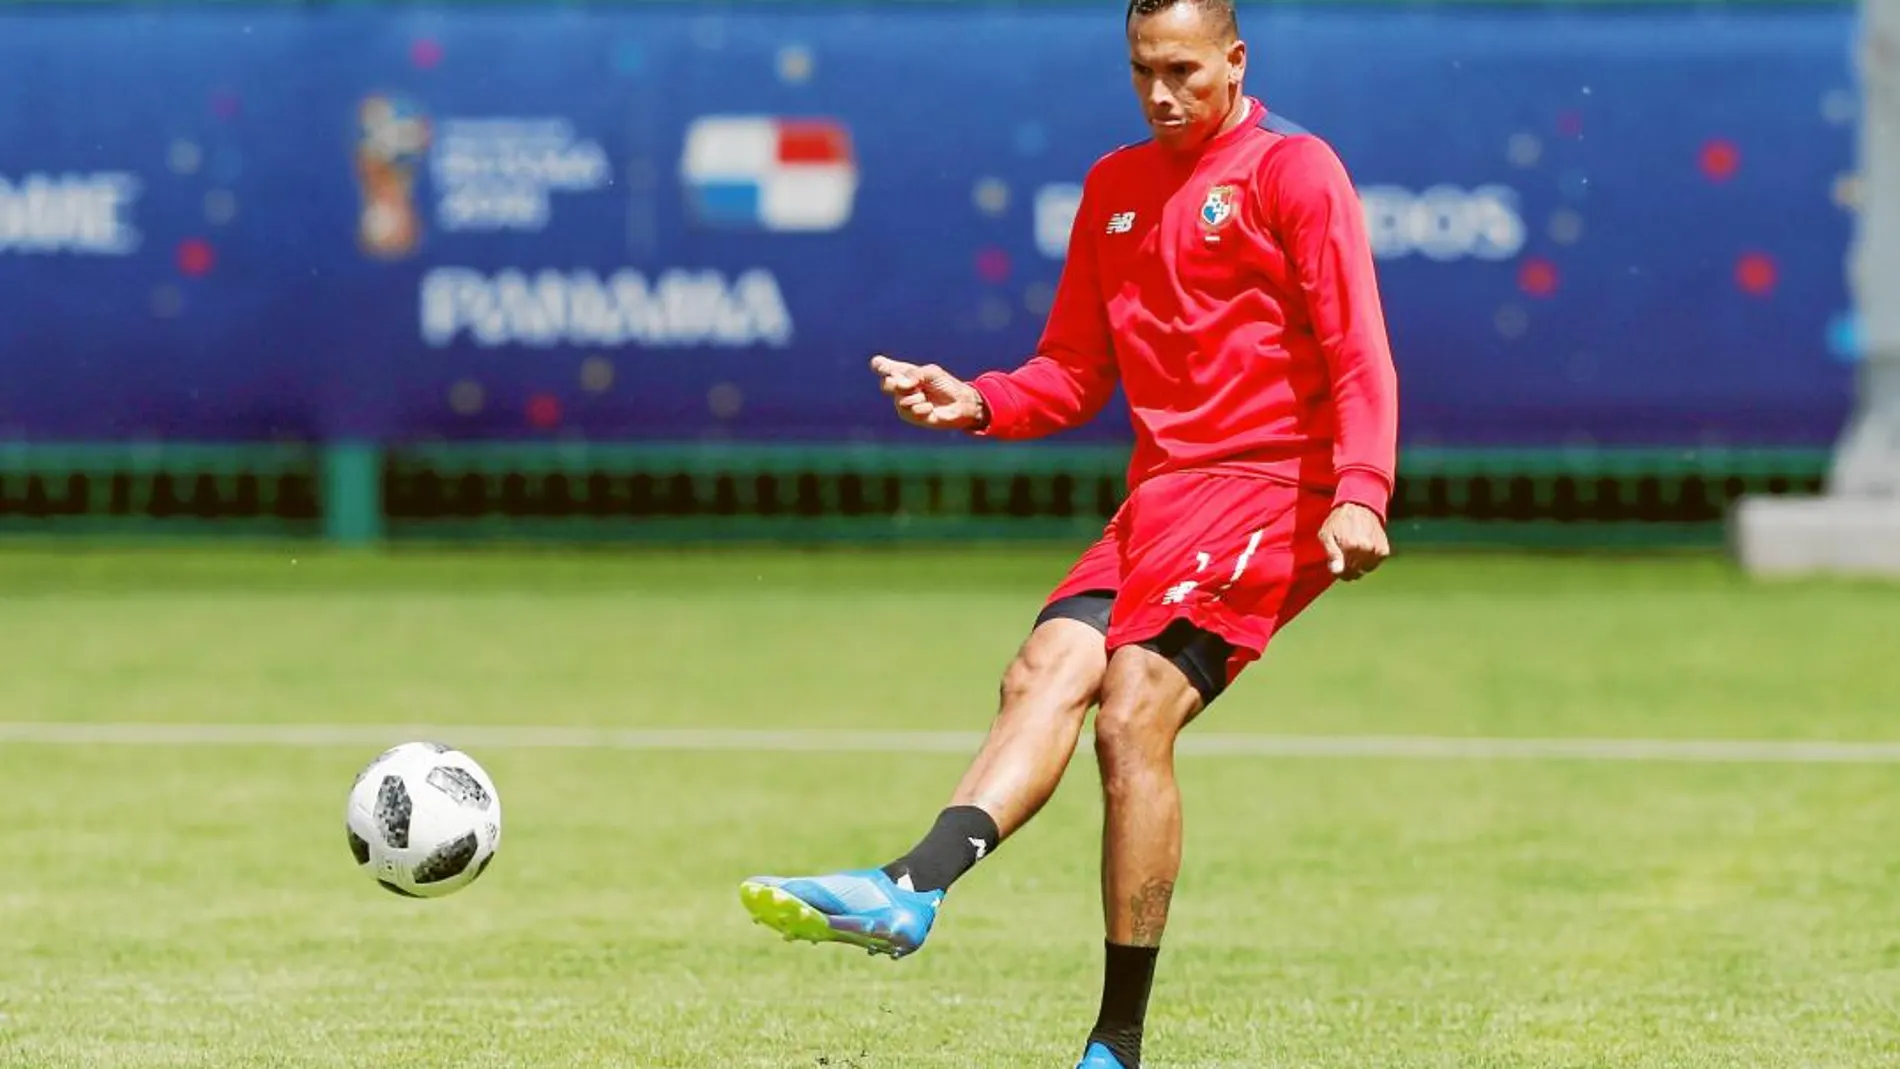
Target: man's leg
(1046, 694)
(1150, 692)
(1215, 567)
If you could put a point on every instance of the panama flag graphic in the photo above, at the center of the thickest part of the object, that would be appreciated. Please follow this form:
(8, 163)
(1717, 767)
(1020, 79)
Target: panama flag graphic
(766, 173)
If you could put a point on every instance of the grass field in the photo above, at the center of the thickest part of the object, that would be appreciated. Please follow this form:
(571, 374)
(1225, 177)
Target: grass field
(193, 904)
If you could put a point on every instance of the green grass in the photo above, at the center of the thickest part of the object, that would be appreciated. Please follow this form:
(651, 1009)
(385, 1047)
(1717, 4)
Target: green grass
(195, 906)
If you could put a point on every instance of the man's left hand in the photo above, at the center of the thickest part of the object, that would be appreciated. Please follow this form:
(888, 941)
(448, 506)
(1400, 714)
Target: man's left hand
(1355, 541)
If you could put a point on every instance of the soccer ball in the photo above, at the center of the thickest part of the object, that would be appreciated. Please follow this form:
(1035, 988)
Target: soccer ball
(424, 819)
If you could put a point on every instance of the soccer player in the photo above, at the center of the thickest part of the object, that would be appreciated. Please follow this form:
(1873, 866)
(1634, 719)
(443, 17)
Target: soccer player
(1220, 273)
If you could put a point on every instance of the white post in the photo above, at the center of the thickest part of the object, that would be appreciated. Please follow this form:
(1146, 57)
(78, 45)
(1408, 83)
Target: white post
(1868, 462)
(1855, 528)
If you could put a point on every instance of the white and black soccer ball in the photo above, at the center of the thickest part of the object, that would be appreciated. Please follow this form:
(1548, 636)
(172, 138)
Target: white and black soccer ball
(424, 819)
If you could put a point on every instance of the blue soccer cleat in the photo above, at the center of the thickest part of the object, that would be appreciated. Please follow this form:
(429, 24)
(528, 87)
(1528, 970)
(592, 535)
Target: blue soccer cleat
(863, 908)
(1099, 1057)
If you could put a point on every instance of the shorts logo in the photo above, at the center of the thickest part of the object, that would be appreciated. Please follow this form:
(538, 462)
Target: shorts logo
(1218, 209)
(1179, 592)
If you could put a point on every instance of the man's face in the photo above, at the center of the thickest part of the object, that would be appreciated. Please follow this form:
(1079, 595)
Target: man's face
(1187, 73)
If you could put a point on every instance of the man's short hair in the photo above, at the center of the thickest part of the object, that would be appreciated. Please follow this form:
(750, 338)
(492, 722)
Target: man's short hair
(1226, 19)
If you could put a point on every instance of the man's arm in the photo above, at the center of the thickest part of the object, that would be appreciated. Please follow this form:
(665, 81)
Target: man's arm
(1073, 373)
(1322, 226)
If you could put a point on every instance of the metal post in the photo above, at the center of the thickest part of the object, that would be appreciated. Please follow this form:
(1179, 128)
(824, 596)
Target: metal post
(352, 493)
(1855, 528)
(1867, 463)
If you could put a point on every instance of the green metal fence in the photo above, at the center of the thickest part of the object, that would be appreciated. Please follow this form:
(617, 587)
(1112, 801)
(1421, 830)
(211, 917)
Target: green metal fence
(587, 492)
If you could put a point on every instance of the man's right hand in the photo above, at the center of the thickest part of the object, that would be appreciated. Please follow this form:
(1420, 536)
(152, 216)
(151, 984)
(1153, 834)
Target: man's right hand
(928, 396)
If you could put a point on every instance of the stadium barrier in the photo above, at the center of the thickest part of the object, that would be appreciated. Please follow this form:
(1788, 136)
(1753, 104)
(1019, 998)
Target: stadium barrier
(213, 282)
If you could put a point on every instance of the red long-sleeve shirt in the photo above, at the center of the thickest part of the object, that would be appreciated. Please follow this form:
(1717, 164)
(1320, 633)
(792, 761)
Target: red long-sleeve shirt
(1233, 296)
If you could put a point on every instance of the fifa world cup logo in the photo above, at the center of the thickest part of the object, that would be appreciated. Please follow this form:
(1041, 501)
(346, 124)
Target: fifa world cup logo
(393, 140)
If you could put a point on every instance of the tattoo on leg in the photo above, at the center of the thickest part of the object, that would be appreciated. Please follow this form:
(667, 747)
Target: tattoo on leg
(1149, 907)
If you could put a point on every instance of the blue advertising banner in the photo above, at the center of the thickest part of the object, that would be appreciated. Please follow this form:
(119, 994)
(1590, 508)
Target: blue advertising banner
(1614, 227)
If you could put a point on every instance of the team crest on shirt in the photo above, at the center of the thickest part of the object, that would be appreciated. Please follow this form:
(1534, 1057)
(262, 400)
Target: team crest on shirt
(1219, 207)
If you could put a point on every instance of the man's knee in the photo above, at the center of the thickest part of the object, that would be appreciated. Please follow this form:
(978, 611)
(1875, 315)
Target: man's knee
(1059, 665)
(1146, 700)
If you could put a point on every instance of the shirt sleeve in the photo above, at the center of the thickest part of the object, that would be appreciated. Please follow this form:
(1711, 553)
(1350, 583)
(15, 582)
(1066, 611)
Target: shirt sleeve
(1073, 374)
(1323, 229)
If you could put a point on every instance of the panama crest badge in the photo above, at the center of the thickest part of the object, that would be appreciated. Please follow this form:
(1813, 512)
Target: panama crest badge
(1219, 207)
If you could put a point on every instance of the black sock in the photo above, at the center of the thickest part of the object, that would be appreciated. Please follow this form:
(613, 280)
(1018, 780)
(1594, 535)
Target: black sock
(1128, 972)
(962, 836)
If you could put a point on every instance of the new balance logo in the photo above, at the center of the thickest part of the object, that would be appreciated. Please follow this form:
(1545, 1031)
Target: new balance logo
(981, 847)
(1121, 222)
(1178, 593)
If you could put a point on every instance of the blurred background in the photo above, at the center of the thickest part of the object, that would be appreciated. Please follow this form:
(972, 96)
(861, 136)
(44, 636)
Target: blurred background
(611, 271)
(496, 374)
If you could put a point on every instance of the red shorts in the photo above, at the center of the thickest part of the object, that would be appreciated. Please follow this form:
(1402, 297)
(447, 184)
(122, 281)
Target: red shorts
(1236, 555)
